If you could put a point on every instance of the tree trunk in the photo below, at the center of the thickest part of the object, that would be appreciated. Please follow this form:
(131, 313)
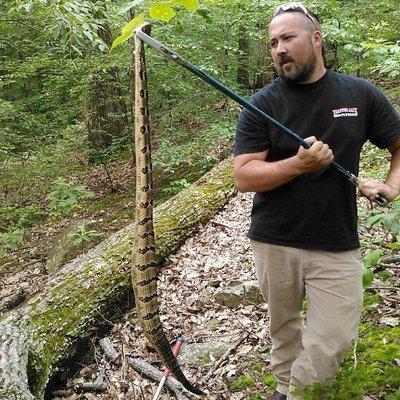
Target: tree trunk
(262, 76)
(35, 338)
(106, 113)
(243, 58)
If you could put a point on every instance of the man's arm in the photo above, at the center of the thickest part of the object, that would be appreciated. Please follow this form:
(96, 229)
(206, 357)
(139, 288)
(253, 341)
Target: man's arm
(253, 174)
(390, 189)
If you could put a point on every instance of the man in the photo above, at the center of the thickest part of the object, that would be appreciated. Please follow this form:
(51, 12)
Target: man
(304, 218)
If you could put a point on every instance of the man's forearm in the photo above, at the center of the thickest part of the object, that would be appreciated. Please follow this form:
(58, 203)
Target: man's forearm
(254, 174)
(393, 178)
(390, 189)
(262, 176)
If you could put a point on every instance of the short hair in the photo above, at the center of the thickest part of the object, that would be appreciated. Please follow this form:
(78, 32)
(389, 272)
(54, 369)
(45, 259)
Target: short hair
(310, 23)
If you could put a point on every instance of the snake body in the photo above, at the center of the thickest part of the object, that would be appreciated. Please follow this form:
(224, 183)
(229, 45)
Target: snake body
(145, 264)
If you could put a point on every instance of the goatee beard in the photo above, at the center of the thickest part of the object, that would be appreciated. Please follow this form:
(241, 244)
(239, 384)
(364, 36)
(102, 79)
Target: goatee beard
(299, 75)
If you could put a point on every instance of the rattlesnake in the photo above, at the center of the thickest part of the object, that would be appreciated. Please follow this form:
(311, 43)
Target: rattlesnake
(145, 265)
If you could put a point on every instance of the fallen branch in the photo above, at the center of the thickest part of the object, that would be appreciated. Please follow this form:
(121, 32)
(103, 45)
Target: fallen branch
(395, 288)
(147, 370)
(109, 350)
(90, 387)
(220, 223)
(391, 266)
(44, 331)
(155, 375)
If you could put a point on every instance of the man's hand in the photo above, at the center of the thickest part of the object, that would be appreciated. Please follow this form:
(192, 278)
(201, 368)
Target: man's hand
(316, 157)
(371, 188)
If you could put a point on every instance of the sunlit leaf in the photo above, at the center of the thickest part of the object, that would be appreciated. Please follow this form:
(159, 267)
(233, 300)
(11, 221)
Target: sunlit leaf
(132, 24)
(372, 258)
(121, 39)
(191, 5)
(162, 11)
(127, 6)
(374, 220)
(368, 277)
(128, 30)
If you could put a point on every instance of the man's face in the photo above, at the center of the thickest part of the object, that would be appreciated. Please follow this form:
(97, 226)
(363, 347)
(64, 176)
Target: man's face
(292, 47)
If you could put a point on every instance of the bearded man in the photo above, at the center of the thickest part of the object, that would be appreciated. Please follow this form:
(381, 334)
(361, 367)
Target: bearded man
(304, 219)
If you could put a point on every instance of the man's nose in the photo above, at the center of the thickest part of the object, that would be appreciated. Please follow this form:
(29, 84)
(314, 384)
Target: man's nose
(281, 48)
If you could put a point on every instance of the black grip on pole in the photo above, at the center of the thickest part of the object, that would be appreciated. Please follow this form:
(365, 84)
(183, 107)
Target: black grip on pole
(381, 201)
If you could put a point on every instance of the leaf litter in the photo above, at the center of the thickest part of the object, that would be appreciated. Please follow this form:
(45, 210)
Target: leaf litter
(218, 255)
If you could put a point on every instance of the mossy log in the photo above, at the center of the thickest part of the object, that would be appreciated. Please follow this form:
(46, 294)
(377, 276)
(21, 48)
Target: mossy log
(36, 337)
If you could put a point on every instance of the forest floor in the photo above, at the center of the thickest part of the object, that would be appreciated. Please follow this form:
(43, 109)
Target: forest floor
(24, 272)
(217, 255)
(208, 263)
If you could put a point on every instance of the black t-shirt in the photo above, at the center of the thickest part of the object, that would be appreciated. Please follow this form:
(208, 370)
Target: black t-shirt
(315, 210)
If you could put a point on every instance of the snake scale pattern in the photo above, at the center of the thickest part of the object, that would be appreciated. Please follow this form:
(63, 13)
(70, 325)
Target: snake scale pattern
(145, 265)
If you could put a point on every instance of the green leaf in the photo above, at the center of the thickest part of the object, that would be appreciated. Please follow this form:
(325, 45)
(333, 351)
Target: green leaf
(374, 220)
(372, 258)
(205, 13)
(191, 5)
(127, 6)
(132, 24)
(162, 11)
(128, 30)
(394, 245)
(368, 277)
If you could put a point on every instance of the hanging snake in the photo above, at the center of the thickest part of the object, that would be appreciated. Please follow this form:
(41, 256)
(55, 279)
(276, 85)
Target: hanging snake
(145, 265)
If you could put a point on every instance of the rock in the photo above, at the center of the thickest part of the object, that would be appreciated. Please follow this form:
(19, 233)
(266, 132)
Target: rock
(234, 283)
(206, 296)
(228, 298)
(243, 293)
(76, 239)
(204, 354)
(215, 283)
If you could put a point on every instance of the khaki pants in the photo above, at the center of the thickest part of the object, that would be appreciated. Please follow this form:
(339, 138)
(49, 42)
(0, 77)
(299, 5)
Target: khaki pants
(332, 282)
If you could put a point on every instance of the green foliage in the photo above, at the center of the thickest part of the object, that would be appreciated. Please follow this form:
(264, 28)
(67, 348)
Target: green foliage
(83, 235)
(175, 187)
(191, 158)
(384, 275)
(364, 43)
(64, 197)
(372, 258)
(270, 381)
(375, 370)
(368, 277)
(371, 302)
(243, 381)
(127, 30)
(10, 240)
(162, 11)
(20, 217)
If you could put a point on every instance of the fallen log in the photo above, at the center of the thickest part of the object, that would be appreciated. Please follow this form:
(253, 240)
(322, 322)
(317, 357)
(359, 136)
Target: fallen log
(39, 334)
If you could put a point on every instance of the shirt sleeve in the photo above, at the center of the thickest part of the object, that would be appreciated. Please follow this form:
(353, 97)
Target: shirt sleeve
(252, 133)
(384, 122)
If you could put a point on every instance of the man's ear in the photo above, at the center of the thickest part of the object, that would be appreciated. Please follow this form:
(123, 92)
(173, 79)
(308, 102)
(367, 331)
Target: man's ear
(318, 39)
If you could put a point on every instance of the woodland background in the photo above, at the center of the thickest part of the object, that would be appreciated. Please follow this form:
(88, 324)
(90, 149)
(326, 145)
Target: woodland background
(66, 115)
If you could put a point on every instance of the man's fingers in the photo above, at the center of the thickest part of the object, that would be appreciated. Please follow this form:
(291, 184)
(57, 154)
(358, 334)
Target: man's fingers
(310, 139)
(372, 188)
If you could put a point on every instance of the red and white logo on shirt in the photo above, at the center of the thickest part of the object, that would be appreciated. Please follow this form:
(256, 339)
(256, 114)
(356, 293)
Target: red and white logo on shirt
(345, 112)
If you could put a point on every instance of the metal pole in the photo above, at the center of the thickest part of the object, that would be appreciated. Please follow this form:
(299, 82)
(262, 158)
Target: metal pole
(175, 351)
(240, 100)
